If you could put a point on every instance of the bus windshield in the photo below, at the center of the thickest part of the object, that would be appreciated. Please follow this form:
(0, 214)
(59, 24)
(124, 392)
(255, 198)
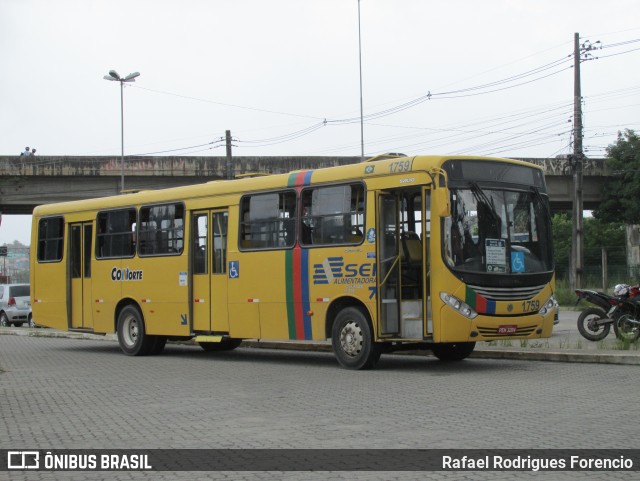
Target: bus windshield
(498, 231)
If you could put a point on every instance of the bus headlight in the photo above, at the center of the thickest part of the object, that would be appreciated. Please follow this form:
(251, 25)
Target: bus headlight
(548, 306)
(458, 305)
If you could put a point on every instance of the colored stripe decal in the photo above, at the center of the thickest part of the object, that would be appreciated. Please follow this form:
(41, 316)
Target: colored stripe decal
(297, 276)
(478, 303)
(297, 292)
(307, 177)
(470, 298)
(491, 307)
(300, 179)
(306, 305)
(288, 269)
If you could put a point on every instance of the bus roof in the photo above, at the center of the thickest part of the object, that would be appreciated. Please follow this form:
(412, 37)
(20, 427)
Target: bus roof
(357, 171)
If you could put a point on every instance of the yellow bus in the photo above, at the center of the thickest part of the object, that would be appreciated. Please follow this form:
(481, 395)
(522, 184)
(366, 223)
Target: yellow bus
(390, 254)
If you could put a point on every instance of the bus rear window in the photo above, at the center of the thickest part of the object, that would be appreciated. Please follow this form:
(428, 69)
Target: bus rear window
(50, 239)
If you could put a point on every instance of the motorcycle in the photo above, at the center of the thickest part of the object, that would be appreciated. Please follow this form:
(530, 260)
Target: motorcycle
(622, 311)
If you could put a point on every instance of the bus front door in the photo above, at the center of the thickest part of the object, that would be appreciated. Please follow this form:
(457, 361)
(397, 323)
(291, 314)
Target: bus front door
(403, 263)
(388, 264)
(209, 272)
(80, 276)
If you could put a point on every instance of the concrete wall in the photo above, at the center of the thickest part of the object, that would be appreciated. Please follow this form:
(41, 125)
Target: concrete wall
(29, 181)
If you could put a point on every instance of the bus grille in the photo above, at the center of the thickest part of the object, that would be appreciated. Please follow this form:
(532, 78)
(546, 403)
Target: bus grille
(508, 293)
(493, 331)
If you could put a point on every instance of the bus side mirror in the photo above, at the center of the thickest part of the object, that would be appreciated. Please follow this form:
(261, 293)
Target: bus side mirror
(441, 200)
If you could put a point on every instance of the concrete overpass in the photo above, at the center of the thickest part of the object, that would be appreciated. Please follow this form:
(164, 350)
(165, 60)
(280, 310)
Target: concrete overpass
(29, 181)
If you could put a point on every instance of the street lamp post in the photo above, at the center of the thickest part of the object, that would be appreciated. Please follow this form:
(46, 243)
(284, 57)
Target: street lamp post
(361, 110)
(113, 76)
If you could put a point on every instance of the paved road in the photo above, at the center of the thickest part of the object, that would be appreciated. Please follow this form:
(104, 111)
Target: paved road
(75, 393)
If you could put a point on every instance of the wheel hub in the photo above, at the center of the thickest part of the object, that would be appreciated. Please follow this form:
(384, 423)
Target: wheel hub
(131, 331)
(351, 339)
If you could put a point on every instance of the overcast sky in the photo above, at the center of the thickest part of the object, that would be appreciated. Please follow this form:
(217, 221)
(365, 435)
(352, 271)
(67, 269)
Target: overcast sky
(498, 73)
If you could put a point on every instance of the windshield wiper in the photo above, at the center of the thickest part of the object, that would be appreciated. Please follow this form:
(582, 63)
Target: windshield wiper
(481, 197)
(541, 200)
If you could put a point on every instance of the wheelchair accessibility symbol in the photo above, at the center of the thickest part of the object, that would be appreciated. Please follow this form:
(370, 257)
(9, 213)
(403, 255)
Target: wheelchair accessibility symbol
(517, 262)
(234, 269)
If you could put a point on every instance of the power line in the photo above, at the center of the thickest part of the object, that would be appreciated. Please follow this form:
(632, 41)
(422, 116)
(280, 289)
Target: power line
(539, 73)
(254, 109)
(283, 138)
(183, 148)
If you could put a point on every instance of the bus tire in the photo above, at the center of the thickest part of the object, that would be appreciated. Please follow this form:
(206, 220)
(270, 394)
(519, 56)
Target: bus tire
(453, 351)
(352, 340)
(132, 336)
(227, 344)
(158, 345)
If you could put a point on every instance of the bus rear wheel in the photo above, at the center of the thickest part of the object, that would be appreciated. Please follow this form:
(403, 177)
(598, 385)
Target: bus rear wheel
(226, 344)
(352, 340)
(453, 351)
(132, 337)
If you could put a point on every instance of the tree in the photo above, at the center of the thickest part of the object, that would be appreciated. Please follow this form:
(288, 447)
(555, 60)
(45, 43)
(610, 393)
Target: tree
(561, 243)
(598, 235)
(621, 192)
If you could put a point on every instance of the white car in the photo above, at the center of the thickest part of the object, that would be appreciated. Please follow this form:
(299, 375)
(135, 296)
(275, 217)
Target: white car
(15, 304)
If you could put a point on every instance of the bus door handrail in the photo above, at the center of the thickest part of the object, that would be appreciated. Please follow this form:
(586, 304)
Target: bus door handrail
(390, 270)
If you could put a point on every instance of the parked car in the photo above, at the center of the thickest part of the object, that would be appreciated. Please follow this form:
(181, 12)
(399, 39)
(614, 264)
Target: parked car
(15, 304)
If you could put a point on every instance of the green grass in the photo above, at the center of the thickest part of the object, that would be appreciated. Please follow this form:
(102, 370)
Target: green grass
(567, 298)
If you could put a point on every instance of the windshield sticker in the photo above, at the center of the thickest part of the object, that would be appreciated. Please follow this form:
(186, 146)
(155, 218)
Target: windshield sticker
(517, 262)
(496, 252)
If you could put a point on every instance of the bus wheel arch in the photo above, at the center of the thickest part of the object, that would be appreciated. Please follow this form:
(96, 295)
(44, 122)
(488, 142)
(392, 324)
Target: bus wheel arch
(130, 328)
(352, 335)
(339, 304)
(127, 301)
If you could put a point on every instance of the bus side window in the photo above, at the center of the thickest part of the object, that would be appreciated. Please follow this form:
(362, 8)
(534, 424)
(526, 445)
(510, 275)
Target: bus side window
(161, 229)
(114, 236)
(269, 220)
(333, 215)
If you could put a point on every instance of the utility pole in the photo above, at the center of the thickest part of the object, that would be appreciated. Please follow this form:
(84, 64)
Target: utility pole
(229, 164)
(577, 253)
(361, 108)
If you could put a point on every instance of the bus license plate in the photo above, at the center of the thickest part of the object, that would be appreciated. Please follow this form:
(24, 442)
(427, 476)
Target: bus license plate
(510, 329)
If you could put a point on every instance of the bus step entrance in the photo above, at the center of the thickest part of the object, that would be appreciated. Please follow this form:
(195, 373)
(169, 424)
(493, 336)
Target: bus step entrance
(199, 339)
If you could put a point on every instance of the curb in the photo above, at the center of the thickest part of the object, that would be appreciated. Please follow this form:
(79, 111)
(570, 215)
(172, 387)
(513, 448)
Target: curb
(603, 357)
(549, 355)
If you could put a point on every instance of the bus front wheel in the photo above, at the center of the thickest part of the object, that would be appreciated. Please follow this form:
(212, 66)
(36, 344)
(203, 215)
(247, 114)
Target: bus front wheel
(132, 336)
(453, 351)
(352, 340)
